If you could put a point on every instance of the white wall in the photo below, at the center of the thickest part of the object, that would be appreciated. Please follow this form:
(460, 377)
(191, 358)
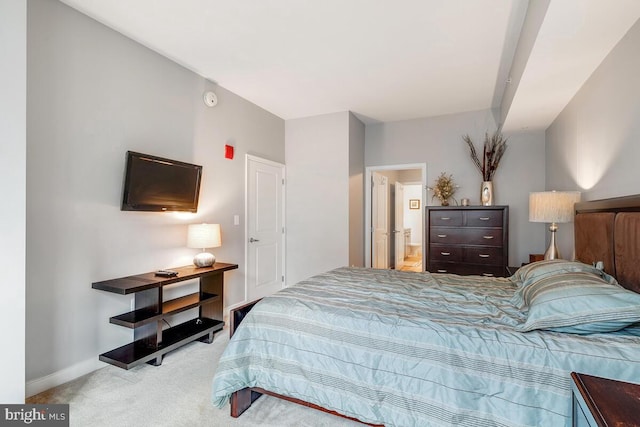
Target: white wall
(317, 158)
(593, 145)
(438, 142)
(13, 86)
(413, 217)
(94, 94)
(533, 19)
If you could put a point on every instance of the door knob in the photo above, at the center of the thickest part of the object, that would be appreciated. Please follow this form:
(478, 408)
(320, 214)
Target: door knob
(251, 240)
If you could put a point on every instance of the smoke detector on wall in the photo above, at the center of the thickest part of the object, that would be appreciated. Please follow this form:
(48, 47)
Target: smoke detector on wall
(210, 99)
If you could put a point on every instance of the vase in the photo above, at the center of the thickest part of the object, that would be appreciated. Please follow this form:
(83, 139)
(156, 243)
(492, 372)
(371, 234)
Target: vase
(486, 193)
(444, 202)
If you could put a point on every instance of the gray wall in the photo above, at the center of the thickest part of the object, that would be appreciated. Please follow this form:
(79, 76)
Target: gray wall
(317, 158)
(438, 142)
(13, 87)
(356, 191)
(94, 94)
(593, 145)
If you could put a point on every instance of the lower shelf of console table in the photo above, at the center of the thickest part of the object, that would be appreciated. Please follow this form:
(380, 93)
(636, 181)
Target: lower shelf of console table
(151, 341)
(138, 352)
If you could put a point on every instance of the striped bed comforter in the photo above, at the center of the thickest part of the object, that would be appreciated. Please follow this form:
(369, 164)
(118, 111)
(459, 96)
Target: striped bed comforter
(415, 349)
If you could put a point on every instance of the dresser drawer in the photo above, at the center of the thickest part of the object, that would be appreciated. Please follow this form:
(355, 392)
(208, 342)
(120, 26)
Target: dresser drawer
(482, 236)
(446, 253)
(450, 236)
(485, 256)
(467, 269)
(485, 270)
(445, 218)
(467, 236)
(485, 218)
(446, 267)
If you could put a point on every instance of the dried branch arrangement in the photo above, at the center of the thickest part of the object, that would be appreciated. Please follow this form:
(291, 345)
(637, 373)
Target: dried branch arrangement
(494, 148)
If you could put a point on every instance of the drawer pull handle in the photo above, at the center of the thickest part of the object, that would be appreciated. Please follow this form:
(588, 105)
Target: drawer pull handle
(483, 255)
(445, 218)
(445, 253)
(487, 237)
(487, 274)
(442, 236)
(442, 271)
(485, 218)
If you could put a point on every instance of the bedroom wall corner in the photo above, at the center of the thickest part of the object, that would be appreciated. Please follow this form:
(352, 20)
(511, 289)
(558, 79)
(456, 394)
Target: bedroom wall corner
(13, 125)
(592, 146)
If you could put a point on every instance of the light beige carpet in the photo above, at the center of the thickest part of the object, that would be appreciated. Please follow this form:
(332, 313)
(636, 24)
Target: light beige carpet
(176, 393)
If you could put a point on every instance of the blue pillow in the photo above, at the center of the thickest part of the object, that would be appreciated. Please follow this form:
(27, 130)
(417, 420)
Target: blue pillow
(537, 270)
(577, 302)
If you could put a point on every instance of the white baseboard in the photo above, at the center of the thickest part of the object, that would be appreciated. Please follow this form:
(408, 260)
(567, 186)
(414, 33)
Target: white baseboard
(65, 375)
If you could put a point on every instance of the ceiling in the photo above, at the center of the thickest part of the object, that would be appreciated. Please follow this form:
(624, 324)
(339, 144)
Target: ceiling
(384, 60)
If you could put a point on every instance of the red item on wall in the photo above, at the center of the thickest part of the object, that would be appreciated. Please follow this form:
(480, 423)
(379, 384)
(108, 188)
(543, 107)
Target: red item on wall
(228, 152)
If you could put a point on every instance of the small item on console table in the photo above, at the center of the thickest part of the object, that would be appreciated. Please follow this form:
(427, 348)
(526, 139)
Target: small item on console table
(166, 273)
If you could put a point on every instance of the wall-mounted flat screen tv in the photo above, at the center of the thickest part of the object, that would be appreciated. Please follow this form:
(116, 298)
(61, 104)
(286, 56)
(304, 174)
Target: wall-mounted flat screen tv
(157, 184)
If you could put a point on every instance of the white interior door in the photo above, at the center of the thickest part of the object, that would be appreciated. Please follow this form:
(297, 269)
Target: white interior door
(398, 226)
(380, 220)
(265, 227)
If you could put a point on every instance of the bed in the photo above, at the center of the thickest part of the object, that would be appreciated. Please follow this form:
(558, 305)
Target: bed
(414, 349)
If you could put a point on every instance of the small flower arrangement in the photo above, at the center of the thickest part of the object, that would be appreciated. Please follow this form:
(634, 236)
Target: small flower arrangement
(444, 188)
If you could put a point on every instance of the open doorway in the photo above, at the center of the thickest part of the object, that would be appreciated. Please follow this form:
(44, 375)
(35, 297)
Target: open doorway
(413, 222)
(394, 216)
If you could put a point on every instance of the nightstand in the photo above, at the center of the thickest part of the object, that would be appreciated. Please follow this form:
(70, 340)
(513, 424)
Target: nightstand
(511, 270)
(535, 257)
(599, 402)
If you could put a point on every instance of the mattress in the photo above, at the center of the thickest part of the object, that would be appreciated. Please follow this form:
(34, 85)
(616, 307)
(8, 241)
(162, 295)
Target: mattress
(415, 349)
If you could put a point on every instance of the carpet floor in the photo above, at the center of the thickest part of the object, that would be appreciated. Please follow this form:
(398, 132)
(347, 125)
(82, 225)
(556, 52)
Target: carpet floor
(176, 393)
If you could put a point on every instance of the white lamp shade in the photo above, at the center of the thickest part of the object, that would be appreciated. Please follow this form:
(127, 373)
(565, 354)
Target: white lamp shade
(552, 206)
(203, 236)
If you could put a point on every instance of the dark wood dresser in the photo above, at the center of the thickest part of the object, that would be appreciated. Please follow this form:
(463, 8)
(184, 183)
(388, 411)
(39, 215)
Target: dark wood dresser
(467, 240)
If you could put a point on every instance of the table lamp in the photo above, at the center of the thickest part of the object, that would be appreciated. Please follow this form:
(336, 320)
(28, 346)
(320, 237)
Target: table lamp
(204, 236)
(553, 207)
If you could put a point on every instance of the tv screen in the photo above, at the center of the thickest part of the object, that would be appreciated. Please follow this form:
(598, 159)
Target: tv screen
(156, 184)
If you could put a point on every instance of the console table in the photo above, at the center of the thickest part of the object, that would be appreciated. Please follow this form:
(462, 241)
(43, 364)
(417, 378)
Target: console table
(151, 341)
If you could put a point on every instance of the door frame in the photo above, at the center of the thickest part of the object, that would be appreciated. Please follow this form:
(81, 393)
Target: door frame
(398, 249)
(367, 202)
(248, 158)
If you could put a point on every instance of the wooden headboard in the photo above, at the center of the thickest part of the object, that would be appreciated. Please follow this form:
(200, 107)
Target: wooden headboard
(609, 231)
